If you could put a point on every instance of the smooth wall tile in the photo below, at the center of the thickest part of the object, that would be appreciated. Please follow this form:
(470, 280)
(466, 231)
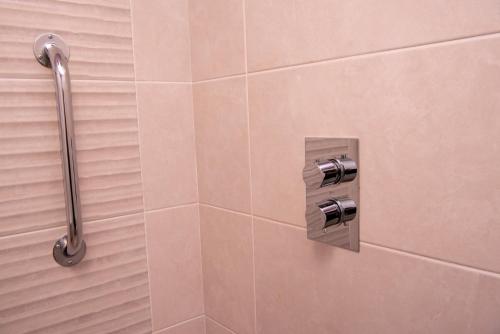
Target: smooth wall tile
(168, 154)
(214, 328)
(486, 305)
(222, 143)
(308, 287)
(284, 32)
(195, 326)
(161, 40)
(217, 38)
(174, 256)
(226, 240)
(418, 114)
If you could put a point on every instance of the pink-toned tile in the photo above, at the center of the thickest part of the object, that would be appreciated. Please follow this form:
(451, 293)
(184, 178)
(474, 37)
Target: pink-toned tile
(107, 292)
(283, 32)
(161, 40)
(228, 268)
(174, 256)
(195, 326)
(307, 287)
(168, 154)
(485, 307)
(107, 143)
(214, 328)
(222, 143)
(99, 36)
(217, 38)
(427, 124)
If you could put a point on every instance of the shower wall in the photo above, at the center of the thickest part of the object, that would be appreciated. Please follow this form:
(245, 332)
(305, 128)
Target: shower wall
(190, 123)
(136, 156)
(417, 83)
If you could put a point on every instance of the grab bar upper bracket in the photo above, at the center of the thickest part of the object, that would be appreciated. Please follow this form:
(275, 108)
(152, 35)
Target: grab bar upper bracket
(40, 47)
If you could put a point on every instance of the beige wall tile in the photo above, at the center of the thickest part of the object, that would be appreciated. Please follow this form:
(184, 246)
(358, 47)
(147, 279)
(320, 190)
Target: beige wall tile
(99, 36)
(217, 38)
(418, 115)
(108, 291)
(214, 328)
(195, 326)
(167, 144)
(307, 287)
(287, 32)
(161, 40)
(174, 256)
(222, 143)
(486, 305)
(226, 240)
(106, 135)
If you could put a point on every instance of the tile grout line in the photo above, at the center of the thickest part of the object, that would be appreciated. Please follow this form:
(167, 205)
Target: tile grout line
(249, 147)
(230, 76)
(451, 41)
(354, 56)
(198, 211)
(54, 228)
(220, 324)
(148, 260)
(180, 323)
(438, 43)
(401, 252)
(173, 207)
(226, 210)
(432, 259)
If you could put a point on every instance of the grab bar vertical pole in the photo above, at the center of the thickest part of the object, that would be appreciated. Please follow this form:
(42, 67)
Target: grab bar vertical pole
(51, 51)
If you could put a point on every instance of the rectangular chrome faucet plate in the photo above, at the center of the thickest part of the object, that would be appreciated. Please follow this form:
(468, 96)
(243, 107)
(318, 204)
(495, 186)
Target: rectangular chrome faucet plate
(345, 235)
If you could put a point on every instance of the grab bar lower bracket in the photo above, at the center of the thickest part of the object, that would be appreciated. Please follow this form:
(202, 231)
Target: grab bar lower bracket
(51, 51)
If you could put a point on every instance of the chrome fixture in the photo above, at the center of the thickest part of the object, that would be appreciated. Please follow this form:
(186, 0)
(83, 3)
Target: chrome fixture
(51, 51)
(332, 191)
(333, 171)
(337, 211)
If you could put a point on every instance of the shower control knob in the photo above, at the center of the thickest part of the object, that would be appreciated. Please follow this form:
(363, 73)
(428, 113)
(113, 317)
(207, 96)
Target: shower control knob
(336, 171)
(337, 211)
(330, 171)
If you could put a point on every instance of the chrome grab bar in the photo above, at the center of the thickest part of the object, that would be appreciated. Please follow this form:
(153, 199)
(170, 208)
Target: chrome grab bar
(51, 51)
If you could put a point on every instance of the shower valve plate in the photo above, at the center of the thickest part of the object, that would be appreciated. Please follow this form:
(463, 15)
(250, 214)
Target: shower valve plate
(321, 149)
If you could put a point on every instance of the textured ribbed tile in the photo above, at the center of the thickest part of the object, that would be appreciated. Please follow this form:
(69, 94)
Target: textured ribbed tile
(108, 291)
(31, 191)
(97, 32)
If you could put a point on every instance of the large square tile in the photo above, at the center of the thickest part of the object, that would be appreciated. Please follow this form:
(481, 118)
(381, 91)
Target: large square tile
(427, 124)
(283, 32)
(304, 286)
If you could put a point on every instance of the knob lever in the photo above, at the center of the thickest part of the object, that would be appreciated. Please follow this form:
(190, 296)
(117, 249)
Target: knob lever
(336, 171)
(337, 211)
